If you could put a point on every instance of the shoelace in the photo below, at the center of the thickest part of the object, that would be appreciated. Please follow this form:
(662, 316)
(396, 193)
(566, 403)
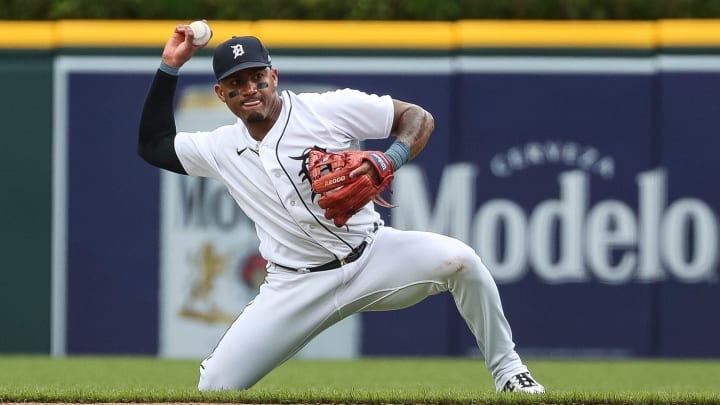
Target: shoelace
(522, 380)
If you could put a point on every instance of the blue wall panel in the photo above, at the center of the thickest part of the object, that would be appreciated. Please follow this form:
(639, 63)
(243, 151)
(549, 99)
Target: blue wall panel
(625, 159)
(113, 219)
(690, 118)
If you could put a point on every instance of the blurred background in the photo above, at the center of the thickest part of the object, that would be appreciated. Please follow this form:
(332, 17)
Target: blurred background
(574, 149)
(425, 10)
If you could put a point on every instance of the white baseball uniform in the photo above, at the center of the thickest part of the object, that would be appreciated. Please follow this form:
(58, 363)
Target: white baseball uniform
(396, 269)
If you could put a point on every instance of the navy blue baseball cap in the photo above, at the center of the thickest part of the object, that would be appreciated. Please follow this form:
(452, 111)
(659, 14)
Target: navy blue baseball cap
(238, 53)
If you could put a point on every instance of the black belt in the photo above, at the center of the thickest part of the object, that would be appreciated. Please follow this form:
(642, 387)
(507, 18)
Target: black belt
(354, 255)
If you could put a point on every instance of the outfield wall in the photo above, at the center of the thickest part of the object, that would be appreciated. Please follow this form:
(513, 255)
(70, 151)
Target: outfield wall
(576, 158)
(25, 201)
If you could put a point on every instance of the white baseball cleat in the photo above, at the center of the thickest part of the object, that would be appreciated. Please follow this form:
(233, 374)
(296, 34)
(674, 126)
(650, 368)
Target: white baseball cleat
(523, 383)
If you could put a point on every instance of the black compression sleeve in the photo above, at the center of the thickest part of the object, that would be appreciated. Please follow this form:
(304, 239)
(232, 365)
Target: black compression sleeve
(156, 143)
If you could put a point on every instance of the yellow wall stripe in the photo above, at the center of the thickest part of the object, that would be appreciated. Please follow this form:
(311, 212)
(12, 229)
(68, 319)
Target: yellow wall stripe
(690, 33)
(373, 34)
(357, 34)
(27, 35)
(544, 34)
(92, 33)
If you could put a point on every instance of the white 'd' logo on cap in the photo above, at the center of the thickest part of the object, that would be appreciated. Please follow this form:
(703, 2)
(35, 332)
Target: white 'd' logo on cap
(237, 50)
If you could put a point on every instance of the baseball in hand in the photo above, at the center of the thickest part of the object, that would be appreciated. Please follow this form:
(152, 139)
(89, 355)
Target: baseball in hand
(201, 32)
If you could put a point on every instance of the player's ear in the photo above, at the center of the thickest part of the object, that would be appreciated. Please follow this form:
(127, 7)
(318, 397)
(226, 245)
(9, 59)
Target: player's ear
(218, 91)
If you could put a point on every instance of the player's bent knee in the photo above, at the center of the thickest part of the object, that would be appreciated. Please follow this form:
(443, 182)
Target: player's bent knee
(209, 384)
(216, 381)
(461, 258)
(465, 263)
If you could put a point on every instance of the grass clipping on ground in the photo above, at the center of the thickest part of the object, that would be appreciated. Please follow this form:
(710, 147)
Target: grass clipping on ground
(367, 381)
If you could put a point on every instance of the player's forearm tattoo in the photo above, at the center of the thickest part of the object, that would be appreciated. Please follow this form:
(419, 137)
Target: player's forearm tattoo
(414, 129)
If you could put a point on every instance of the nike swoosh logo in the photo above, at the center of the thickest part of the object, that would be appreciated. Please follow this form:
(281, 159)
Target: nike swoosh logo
(240, 151)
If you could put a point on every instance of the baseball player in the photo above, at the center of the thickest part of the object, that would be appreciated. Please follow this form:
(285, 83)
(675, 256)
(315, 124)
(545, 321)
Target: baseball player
(291, 162)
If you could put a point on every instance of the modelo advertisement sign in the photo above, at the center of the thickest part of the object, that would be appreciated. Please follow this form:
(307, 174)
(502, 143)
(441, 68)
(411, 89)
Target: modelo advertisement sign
(588, 194)
(587, 189)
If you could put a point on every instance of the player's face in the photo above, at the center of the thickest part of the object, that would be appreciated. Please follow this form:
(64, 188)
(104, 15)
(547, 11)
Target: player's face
(250, 93)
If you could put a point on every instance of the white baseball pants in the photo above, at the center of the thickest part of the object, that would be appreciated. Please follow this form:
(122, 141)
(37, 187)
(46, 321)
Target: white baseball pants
(397, 269)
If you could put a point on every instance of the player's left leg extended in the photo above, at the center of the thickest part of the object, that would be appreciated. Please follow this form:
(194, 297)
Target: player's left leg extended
(403, 267)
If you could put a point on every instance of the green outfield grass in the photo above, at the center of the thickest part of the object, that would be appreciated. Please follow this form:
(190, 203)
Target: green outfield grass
(371, 381)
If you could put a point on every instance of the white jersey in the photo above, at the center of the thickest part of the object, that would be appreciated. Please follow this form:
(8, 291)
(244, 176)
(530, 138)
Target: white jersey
(267, 180)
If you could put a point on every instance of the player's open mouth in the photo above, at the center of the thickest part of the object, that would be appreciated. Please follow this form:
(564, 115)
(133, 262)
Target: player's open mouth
(251, 103)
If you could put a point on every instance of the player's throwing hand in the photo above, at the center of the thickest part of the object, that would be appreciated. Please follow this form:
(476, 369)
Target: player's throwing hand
(180, 48)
